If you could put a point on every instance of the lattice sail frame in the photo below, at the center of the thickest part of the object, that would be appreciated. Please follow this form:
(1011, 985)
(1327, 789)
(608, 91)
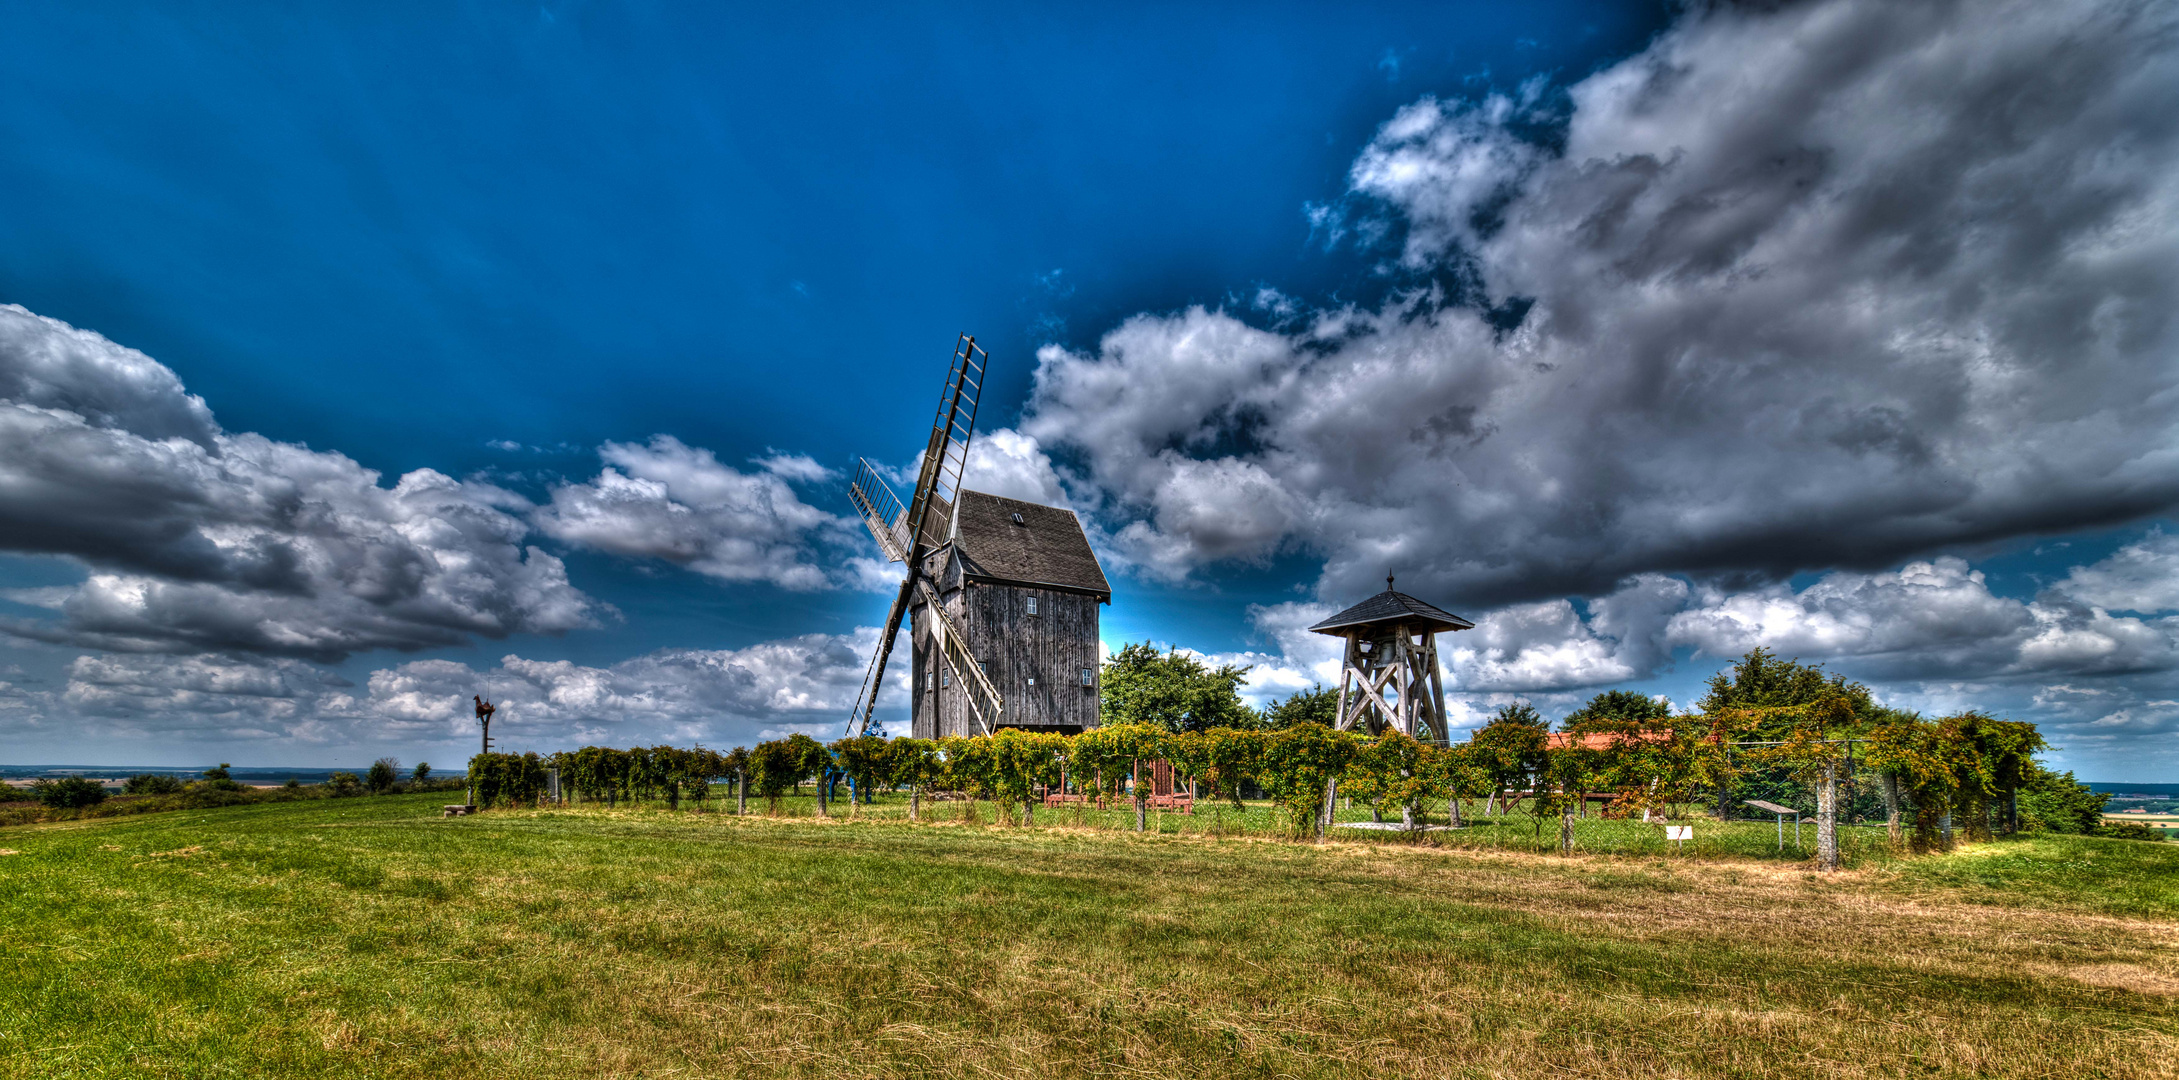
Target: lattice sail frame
(907, 534)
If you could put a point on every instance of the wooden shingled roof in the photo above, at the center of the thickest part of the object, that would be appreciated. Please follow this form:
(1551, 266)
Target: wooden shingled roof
(1390, 608)
(1046, 546)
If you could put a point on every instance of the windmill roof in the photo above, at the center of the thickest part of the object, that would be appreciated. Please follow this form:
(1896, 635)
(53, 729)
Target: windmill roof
(1390, 608)
(1047, 548)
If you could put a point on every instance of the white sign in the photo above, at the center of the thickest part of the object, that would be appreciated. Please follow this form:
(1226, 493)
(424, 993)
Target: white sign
(1679, 832)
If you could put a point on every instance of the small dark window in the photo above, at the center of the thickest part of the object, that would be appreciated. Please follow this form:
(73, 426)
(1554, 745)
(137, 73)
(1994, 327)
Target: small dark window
(1032, 605)
(1089, 677)
(1018, 520)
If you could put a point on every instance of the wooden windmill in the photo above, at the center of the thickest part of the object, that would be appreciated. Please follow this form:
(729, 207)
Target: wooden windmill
(907, 534)
(1388, 679)
(1004, 595)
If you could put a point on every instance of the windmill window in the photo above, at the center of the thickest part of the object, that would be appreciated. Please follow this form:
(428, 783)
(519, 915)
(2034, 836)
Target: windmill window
(945, 678)
(1032, 680)
(1089, 677)
(1032, 605)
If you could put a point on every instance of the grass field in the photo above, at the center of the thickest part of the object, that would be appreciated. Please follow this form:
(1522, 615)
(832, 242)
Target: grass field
(370, 937)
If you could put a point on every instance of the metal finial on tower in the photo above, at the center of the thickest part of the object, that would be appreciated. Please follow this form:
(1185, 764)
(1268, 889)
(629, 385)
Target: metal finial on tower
(1388, 582)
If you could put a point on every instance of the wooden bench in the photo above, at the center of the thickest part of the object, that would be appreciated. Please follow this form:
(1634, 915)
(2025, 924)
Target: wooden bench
(457, 810)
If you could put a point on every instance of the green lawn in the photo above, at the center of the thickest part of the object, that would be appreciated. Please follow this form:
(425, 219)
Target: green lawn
(370, 937)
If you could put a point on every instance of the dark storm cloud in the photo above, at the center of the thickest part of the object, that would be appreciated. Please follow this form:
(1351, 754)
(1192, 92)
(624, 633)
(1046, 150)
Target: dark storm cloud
(197, 539)
(1834, 285)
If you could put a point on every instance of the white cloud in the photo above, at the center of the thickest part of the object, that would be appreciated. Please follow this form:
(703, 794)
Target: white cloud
(1010, 464)
(2142, 577)
(668, 500)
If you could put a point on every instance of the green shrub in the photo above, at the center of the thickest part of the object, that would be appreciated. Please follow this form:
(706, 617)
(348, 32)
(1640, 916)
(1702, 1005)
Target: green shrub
(344, 784)
(69, 792)
(2128, 830)
(382, 775)
(507, 779)
(152, 784)
(216, 779)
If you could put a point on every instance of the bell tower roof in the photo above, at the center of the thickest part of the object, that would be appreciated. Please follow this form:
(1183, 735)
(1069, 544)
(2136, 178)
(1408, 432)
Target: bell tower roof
(1392, 608)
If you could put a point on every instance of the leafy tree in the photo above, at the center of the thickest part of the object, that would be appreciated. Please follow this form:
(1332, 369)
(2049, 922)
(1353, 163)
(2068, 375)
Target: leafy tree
(151, 784)
(916, 763)
(863, 758)
(217, 779)
(736, 765)
(813, 759)
(1632, 745)
(1617, 705)
(1801, 709)
(1022, 761)
(774, 767)
(1512, 749)
(69, 792)
(2056, 802)
(382, 775)
(1461, 776)
(344, 784)
(970, 769)
(1316, 705)
(1768, 688)
(422, 773)
(1298, 766)
(1223, 760)
(1118, 750)
(1392, 772)
(502, 779)
(1171, 691)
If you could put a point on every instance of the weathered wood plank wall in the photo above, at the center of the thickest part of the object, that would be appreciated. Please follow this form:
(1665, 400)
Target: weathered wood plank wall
(1035, 661)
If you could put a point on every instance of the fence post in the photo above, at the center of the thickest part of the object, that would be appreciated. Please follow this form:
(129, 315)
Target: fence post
(1827, 819)
(1134, 788)
(1324, 817)
(1891, 806)
(1566, 831)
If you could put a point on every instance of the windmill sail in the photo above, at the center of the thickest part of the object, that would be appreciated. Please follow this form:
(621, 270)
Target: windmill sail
(907, 534)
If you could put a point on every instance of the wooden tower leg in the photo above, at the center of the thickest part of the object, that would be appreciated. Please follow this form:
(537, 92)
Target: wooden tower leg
(1438, 724)
(1346, 673)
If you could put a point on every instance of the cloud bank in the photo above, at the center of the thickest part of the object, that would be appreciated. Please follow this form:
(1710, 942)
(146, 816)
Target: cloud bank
(1838, 284)
(717, 696)
(197, 539)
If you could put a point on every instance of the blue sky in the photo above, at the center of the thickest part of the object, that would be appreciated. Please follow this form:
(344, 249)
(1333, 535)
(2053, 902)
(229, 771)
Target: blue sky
(497, 241)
